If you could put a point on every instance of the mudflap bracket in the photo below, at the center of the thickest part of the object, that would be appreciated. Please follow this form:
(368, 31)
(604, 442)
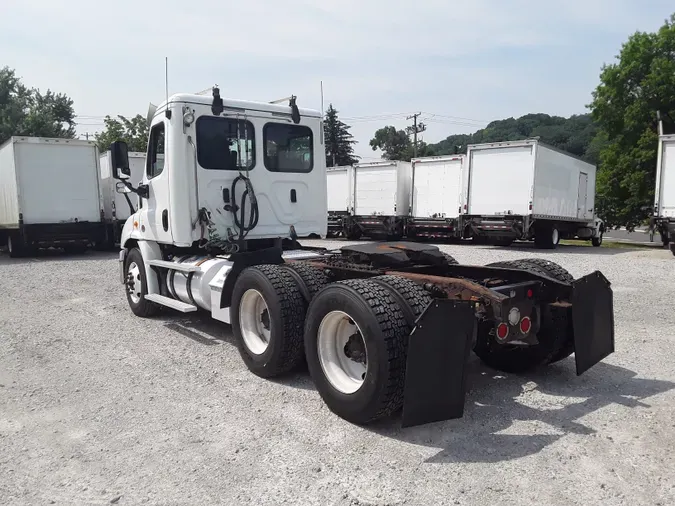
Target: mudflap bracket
(592, 320)
(438, 351)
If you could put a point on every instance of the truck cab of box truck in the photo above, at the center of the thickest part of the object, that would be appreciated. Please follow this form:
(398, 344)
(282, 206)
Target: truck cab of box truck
(227, 172)
(663, 219)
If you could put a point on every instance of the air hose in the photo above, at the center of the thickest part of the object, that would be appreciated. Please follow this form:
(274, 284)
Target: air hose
(239, 212)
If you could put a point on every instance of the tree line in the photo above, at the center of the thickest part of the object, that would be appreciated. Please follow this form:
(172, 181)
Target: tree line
(619, 134)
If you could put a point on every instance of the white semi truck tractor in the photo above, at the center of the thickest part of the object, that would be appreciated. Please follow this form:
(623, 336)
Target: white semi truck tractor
(228, 187)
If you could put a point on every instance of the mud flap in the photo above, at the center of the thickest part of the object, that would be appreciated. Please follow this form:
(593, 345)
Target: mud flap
(592, 320)
(438, 350)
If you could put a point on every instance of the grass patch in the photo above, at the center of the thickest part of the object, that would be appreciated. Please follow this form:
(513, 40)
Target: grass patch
(611, 244)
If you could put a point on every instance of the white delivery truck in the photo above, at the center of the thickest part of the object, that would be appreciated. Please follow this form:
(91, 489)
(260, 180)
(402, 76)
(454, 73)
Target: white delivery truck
(49, 194)
(526, 190)
(338, 181)
(664, 195)
(117, 207)
(380, 199)
(437, 197)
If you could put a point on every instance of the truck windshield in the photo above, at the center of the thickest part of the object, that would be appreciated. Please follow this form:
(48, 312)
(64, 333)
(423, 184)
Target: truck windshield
(225, 143)
(288, 148)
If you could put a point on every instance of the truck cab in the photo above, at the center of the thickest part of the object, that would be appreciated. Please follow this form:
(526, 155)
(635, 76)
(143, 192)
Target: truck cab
(229, 170)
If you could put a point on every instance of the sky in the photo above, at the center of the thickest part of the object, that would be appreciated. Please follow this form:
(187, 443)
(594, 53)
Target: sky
(462, 64)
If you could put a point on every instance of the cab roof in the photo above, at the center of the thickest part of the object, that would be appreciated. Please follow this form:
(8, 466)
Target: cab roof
(233, 104)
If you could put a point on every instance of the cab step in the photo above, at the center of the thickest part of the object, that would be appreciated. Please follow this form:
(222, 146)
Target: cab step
(173, 265)
(169, 302)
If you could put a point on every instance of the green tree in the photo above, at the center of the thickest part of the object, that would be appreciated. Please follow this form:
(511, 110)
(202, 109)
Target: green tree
(573, 135)
(29, 112)
(630, 92)
(394, 144)
(339, 141)
(133, 131)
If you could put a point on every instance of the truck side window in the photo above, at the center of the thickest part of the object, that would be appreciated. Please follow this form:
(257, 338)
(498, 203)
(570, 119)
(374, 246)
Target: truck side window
(155, 164)
(288, 148)
(225, 143)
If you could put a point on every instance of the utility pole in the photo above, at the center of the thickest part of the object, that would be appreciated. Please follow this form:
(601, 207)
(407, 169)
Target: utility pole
(415, 129)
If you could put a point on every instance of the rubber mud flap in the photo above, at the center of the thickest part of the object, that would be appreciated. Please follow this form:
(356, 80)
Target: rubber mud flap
(438, 351)
(592, 320)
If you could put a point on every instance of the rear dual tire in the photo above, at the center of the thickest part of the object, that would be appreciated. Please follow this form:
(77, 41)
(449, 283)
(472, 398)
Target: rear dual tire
(357, 322)
(555, 333)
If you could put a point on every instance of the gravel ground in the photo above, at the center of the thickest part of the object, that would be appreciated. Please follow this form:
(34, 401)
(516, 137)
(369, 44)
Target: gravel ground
(98, 407)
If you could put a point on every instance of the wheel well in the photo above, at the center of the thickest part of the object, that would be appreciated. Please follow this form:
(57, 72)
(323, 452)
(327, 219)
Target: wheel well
(131, 243)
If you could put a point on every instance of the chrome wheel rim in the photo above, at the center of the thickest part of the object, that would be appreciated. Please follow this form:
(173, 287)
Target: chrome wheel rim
(254, 322)
(134, 282)
(342, 352)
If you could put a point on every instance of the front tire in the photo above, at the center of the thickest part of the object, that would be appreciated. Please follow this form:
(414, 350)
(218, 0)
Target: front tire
(267, 315)
(137, 285)
(356, 343)
(597, 241)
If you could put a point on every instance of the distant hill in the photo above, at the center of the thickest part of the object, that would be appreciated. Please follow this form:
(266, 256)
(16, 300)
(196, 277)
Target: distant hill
(574, 134)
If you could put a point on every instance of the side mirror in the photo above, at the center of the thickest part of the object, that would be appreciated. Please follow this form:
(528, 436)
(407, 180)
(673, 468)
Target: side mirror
(119, 156)
(120, 187)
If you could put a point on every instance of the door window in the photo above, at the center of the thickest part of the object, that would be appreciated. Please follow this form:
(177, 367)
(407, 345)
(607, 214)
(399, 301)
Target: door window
(156, 152)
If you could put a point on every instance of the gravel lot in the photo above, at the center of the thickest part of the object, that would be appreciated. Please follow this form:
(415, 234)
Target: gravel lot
(98, 406)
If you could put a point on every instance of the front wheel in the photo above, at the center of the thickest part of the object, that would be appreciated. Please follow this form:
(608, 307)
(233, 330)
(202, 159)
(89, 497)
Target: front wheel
(136, 284)
(597, 241)
(355, 343)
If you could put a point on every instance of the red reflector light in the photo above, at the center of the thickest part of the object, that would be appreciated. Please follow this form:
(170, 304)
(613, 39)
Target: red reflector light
(502, 331)
(525, 325)
(530, 293)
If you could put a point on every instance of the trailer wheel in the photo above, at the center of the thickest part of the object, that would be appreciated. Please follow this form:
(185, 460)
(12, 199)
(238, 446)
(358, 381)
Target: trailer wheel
(412, 298)
(15, 246)
(555, 333)
(267, 315)
(547, 237)
(309, 278)
(355, 344)
(137, 285)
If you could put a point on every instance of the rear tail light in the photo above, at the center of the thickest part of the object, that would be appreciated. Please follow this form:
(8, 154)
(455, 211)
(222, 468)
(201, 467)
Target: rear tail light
(502, 331)
(530, 293)
(525, 325)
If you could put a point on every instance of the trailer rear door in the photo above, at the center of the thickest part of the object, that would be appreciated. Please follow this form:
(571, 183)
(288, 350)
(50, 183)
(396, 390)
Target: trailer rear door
(500, 179)
(437, 188)
(375, 190)
(58, 182)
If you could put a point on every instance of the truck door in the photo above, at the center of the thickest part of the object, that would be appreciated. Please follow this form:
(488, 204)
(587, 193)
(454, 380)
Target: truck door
(582, 196)
(155, 210)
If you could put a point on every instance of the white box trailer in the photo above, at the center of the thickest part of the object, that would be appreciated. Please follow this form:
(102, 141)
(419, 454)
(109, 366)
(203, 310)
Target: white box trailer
(528, 190)
(380, 199)
(339, 182)
(116, 208)
(437, 196)
(664, 193)
(49, 194)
